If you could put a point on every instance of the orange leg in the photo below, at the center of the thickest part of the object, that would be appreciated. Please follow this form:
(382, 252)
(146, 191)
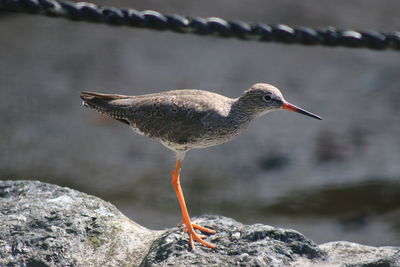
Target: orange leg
(193, 236)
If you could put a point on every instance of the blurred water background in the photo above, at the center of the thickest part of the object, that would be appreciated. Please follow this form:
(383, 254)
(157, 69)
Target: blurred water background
(335, 179)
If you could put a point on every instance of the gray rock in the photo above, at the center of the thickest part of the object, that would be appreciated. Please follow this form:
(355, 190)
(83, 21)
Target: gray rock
(237, 245)
(262, 245)
(48, 225)
(351, 254)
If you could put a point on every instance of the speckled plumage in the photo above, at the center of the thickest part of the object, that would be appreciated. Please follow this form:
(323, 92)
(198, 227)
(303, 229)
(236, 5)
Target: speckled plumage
(186, 119)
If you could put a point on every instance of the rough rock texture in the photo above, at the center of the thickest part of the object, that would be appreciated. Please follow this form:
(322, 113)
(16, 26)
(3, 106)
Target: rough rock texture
(263, 245)
(237, 244)
(48, 225)
(351, 254)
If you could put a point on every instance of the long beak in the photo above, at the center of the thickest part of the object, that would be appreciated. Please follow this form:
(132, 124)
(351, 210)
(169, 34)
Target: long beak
(291, 107)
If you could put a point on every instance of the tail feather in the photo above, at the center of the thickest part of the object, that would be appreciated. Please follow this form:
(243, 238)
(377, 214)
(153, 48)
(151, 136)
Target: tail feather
(92, 95)
(106, 104)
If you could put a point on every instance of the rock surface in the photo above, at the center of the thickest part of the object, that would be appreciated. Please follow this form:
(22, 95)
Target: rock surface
(237, 244)
(351, 254)
(262, 245)
(48, 225)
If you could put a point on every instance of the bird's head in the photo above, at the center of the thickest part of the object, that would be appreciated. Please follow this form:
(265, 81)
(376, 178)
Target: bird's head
(262, 98)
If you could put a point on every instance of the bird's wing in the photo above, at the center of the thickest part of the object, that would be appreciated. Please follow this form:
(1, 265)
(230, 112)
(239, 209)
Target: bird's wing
(178, 119)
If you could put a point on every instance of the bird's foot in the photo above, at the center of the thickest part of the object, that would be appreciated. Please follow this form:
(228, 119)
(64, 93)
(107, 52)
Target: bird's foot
(196, 226)
(193, 236)
(203, 229)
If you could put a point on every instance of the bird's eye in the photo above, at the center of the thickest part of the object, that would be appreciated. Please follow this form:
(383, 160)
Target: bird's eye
(267, 98)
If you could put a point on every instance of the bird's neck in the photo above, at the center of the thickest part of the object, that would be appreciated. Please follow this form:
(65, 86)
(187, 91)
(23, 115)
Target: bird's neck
(242, 111)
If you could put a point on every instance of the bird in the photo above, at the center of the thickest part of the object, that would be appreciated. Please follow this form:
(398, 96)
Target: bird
(190, 119)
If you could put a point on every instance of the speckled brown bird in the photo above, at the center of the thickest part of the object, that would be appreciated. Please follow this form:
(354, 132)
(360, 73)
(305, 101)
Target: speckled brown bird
(185, 119)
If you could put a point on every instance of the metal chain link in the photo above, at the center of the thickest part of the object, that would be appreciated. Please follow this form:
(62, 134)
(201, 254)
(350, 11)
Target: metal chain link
(214, 26)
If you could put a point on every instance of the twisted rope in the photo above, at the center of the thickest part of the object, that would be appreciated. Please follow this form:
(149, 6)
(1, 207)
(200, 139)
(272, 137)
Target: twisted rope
(214, 26)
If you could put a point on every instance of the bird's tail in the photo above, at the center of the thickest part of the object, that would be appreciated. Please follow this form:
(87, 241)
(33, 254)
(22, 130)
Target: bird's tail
(115, 106)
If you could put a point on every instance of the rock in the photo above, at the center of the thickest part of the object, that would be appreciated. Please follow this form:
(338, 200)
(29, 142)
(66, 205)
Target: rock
(351, 254)
(48, 225)
(262, 245)
(237, 245)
